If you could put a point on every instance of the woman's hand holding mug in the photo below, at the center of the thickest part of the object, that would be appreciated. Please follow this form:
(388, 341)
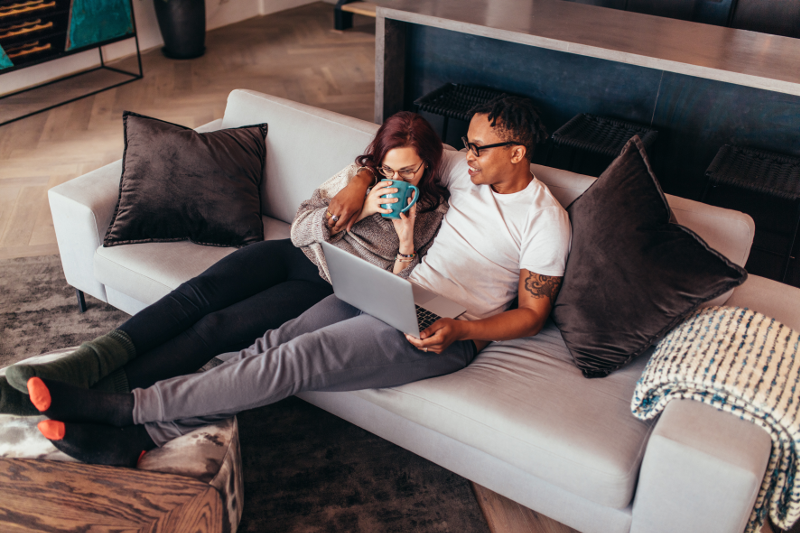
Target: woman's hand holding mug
(373, 202)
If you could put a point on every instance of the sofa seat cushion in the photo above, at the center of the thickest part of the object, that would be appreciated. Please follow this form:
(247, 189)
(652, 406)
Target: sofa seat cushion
(148, 271)
(210, 454)
(526, 403)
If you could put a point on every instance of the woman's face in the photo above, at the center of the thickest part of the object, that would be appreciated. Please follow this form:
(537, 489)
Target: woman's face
(403, 164)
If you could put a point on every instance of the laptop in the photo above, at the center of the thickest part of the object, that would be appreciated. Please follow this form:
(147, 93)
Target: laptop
(390, 298)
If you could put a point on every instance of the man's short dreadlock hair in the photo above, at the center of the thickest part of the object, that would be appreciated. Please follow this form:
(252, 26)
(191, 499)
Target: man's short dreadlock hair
(516, 119)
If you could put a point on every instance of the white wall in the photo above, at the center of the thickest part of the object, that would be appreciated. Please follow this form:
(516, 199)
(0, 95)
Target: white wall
(218, 13)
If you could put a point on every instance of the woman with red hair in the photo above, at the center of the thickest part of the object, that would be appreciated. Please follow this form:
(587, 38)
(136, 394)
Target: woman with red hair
(263, 285)
(332, 346)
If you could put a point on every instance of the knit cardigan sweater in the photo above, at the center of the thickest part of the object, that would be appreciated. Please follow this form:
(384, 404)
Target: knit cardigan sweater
(373, 238)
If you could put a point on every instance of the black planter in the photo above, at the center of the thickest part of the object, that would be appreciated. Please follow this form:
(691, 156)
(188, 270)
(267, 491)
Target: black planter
(183, 27)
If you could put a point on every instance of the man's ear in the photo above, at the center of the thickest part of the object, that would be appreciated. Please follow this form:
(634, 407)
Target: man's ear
(518, 153)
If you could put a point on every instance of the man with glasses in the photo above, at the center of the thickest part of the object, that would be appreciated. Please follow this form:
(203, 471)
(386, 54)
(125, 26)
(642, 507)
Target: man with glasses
(504, 236)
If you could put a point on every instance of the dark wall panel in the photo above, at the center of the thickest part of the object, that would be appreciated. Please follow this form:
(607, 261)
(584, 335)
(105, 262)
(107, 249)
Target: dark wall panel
(698, 116)
(677, 9)
(562, 84)
(694, 117)
(781, 17)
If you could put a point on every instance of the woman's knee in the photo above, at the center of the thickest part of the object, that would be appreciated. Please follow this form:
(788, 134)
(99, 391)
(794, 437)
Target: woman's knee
(223, 331)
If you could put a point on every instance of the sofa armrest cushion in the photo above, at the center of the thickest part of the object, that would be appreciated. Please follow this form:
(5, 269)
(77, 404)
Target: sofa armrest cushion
(82, 209)
(771, 298)
(702, 471)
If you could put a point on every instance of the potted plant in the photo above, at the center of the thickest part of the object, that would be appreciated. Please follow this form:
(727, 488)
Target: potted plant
(183, 27)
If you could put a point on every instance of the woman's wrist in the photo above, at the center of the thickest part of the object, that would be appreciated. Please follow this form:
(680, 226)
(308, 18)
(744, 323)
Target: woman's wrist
(405, 255)
(406, 249)
(364, 213)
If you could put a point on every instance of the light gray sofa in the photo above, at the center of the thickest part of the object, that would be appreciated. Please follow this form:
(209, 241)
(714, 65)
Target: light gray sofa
(521, 420)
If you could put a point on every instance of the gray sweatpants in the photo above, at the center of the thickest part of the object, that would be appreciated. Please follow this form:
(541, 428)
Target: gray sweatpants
(330, 347)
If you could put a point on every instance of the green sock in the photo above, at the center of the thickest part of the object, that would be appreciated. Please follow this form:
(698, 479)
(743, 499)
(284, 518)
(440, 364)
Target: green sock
(117, 381)
(13, 402)
(84, 367)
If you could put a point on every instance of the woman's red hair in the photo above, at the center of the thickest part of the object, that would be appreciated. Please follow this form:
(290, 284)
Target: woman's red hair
(410, 129)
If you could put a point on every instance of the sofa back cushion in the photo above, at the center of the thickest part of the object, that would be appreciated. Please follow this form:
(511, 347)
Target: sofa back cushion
(305, 146)
(727, 231)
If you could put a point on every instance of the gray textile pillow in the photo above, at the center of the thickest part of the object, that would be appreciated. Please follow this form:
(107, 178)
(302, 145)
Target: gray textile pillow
(180, 185)
(632, 275)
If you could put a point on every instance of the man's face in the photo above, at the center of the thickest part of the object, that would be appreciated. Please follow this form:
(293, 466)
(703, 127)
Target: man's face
(494, 164)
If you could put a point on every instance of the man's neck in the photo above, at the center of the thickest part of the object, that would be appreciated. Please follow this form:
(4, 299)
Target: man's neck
(518, 180)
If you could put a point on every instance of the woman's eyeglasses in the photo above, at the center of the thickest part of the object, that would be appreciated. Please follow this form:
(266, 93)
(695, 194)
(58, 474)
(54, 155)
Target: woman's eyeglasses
(476, 150)
(404, 174)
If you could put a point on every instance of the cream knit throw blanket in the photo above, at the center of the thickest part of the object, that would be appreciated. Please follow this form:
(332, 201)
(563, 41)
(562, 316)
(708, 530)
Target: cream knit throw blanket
(744, 363)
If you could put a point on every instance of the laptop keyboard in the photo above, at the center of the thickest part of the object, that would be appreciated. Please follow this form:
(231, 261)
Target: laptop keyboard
(425, 318)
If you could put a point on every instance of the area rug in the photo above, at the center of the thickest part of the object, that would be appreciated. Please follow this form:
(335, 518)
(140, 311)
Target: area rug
(305, 470)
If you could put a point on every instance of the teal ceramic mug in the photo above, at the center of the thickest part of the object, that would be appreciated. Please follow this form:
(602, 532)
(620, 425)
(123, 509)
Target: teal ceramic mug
(404, 193)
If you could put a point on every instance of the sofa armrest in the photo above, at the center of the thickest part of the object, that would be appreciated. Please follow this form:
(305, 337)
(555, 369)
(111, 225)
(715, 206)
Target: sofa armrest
(214, 125)
(702, 471)
(82, 209)
(770, 298)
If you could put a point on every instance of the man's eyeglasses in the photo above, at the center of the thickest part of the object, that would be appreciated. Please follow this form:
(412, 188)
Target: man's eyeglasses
(404, 174)
(476, 150)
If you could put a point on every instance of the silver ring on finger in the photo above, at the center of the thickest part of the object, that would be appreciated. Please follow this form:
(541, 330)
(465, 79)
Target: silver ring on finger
(335, 218)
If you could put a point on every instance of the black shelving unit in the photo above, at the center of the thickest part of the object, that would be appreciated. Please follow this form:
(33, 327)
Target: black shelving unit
(36, 31)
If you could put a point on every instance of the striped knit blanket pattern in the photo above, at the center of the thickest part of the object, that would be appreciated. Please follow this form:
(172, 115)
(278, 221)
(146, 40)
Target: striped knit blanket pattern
(744, 363)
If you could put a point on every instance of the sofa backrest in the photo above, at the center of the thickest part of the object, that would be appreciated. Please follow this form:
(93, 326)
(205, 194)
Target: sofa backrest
(305, 146)
(727, 231)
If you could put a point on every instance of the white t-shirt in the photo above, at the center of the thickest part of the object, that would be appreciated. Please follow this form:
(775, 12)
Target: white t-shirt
(487, 238)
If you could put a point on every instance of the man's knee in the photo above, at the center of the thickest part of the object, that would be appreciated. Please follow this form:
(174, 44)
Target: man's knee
(331, 310)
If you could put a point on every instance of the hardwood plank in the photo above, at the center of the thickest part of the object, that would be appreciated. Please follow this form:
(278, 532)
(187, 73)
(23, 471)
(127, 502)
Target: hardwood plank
(506, 516)
(11, 252)
(23, 217)
(8, 198)
(43, 231)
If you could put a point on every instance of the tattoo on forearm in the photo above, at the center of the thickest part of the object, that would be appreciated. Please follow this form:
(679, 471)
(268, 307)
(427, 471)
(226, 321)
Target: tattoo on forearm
(543, 286)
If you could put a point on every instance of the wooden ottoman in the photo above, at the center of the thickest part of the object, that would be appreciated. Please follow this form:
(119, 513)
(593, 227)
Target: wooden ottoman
(193, 483)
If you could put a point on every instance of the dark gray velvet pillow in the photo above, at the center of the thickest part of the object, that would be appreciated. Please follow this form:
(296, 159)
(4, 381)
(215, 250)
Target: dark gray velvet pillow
(632, 275)
(180, 185)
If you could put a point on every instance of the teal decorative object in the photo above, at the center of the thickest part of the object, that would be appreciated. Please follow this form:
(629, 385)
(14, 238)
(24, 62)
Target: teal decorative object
(5, 62)
(95, 21)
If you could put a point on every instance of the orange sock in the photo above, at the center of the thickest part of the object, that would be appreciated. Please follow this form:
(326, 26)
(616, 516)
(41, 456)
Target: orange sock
(39, 393)
(51, 429)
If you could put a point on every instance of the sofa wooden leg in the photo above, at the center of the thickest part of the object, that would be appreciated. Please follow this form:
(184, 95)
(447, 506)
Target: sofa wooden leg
(81, 300)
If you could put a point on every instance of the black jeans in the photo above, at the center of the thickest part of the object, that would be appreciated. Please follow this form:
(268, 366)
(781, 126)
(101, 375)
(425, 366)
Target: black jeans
(224, 309)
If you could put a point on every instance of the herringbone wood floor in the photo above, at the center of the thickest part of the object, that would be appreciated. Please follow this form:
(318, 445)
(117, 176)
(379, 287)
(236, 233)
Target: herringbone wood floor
(293, 54)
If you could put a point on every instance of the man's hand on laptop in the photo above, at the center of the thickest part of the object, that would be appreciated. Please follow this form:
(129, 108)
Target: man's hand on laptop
(439, 335)
(536, 296)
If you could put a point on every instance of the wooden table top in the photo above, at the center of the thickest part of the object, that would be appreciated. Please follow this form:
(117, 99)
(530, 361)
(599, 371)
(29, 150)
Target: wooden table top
(60, 496)
(700, 50)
